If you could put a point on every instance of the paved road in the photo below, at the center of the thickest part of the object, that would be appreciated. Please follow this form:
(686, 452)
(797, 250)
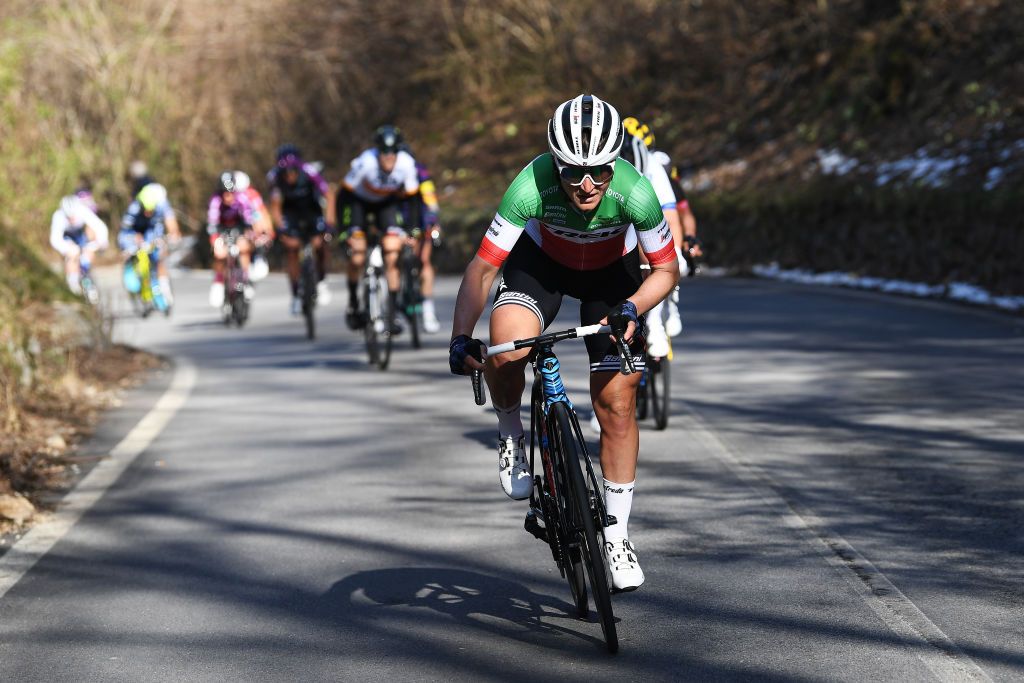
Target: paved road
(838, 497)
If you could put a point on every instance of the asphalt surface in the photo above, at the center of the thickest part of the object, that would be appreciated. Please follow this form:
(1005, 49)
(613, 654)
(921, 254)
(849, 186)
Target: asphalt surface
(838, 497)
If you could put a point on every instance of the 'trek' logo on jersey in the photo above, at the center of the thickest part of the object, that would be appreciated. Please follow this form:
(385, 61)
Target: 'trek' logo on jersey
(577, 234)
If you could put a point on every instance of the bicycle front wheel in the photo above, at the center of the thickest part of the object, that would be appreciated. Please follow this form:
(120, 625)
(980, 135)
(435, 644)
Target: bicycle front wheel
(581, 495)
(388, 314)
(370, 307)
(308, 286)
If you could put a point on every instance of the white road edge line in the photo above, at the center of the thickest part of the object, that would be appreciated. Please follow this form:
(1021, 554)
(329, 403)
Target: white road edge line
(24, 554)
(933, 647)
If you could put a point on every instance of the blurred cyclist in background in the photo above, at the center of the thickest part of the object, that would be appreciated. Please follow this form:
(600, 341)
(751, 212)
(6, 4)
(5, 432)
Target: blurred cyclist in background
(77, 233)
(139, 175)
(300, 208)
(263, 228)
(426, 236)
(383, 182)
(229, 209)
(144, 223)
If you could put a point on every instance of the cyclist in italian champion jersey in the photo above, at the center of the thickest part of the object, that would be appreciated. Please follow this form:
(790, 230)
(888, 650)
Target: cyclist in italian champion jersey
(382, 181)
(229, 208)
(77, 233)
(576, 206)
(299, 199)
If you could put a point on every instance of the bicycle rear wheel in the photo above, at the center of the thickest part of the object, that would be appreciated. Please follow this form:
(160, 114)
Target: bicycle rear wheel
(660, 381)
(642, 395)
(412, 304)
(581, 496)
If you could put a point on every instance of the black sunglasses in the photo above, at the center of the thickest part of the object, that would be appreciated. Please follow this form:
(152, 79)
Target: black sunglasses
(575, 175)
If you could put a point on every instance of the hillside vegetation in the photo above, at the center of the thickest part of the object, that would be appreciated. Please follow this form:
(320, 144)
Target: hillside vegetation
(748, 95)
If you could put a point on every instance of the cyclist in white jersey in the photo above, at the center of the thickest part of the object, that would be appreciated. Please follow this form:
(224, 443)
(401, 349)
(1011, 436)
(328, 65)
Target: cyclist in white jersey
(77, 233)
(382, 181)
(635, 151)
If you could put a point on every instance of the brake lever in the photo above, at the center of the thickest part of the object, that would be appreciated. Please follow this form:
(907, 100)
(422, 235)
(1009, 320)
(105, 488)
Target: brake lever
(479, 395)
(626, 365)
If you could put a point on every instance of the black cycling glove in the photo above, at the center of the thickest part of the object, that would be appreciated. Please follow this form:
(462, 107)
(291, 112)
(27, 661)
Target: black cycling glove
(462, 346)
(620, 317)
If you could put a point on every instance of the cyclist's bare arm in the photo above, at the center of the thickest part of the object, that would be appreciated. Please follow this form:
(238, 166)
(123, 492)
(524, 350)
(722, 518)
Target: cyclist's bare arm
(689, 223)
(469, 306)
(659, 284)
(172, 227)
(276, 211)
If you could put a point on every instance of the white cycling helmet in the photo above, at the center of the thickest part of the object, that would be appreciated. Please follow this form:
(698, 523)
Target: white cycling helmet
(585, 131)
(72, 207)
(242, 181)
(635, 152)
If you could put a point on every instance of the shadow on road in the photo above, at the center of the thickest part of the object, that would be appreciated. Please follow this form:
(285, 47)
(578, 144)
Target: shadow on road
(482, 602)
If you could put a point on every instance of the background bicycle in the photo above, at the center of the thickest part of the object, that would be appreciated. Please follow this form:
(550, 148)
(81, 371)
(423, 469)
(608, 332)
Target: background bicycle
(142, 284)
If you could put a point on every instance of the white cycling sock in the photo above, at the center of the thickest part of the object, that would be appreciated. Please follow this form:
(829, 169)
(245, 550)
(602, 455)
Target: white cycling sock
(618, 498)
(165, 288)
(509, 421)
(428, 308)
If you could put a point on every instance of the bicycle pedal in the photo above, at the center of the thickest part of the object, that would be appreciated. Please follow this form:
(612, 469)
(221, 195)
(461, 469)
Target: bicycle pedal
(533, 525)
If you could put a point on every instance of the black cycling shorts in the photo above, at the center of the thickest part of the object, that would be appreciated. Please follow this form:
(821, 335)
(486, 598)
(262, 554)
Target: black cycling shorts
(534, 280)
(303, 226)
(354, 211)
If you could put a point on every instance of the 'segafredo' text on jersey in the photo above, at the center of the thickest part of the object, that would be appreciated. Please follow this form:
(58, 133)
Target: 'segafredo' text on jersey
(535, 204)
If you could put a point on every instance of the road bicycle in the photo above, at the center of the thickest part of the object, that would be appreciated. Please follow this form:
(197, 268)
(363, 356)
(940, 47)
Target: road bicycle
(654, 393)
(379, 328)
(140, 279)
(236, 282)
(567, 507)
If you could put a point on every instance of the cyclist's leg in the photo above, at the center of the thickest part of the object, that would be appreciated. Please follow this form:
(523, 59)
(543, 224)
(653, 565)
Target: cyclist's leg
(244, 244)
(220, 255)
(291, 243)
(352, 220)
(320, 247)
(613, 394)
(614, 399)
(528, 298)
(72, 264)
(426, 248)
(391, 243)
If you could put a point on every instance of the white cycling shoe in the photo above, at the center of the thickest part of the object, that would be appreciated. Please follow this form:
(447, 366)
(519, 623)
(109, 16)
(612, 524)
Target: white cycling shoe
(513, 469)
(323, 293)
(217, 294)
(431, 325)
(626, 572)
(657, 342)
(674, 324)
